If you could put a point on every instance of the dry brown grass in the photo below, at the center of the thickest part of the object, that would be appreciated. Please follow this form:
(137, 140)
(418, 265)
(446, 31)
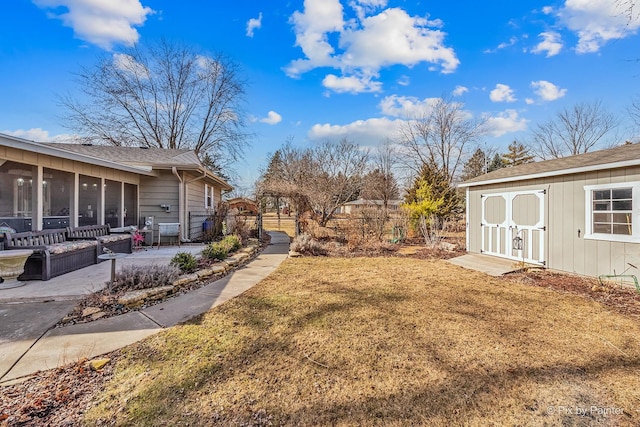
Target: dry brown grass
(286, 223)
(384, 341)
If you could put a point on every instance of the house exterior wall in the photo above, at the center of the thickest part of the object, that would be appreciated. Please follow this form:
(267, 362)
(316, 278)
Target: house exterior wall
(156, 191)
(566, 248)
(195, 195)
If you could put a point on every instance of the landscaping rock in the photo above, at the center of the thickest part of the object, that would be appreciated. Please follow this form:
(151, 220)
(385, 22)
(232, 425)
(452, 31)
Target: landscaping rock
(448, 246)
(187, 278)
(97, 364)
(232, 261)
(98, 315)
(207, 272)
(90, 310)
(294, 254)
(136, 298)
(218, 268)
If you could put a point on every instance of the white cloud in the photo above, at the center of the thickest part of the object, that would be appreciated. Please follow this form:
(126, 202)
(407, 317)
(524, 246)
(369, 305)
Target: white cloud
(598, 21)
(363, 7)
(312, 27)
(272, 118)
(254, 24)
(40, 135)
(362, 132)
(529, 101)
(351, 84)
(505, 122)
(126, 62)
(551, 44)
(503, 45)
(101, 22)
(460, 90)
(502, 93)
(404, 81)
(407, 107)
(547, 10)
(364, 45)
(547, 91)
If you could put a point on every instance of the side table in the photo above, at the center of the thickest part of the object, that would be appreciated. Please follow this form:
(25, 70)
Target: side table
(113, 257)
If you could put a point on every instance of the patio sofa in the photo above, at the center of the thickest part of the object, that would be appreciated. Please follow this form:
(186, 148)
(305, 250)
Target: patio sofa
(53, 254)
(115, 242)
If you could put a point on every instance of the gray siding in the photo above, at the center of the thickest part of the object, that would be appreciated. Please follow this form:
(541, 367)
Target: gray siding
(156, 191)
(566, 249)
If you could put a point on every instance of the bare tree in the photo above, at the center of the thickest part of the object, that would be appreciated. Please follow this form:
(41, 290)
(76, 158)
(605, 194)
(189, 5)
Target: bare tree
(320, 179)
(634, 113)
(440, 137)
(164, 95)
(380, 183)
(572, 131)
(337, 176)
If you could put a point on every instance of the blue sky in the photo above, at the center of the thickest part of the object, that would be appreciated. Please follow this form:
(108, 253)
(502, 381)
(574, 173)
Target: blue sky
(326, 69)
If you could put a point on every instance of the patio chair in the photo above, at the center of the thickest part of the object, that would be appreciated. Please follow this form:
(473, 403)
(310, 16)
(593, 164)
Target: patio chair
(168, 229)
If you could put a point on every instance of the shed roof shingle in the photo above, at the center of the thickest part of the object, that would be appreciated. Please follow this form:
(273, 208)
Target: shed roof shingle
(622, 156)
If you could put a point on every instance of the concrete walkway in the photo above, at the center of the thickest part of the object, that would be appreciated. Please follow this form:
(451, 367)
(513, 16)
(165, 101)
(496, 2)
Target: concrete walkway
(28, 344)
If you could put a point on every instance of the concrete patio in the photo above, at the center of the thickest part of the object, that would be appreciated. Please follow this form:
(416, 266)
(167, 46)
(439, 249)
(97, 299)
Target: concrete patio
(29, 343)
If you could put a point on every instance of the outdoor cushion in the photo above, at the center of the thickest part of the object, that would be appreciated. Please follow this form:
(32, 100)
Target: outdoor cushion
(60, 248)
(114, 237)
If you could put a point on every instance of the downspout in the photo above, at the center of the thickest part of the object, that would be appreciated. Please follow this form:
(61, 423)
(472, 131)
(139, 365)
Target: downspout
(181, 198)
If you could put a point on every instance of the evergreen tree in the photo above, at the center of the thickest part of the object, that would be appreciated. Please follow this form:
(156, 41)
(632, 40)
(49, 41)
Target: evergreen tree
(439, 190)
(496, 163)
(475, 166)
(518, 154)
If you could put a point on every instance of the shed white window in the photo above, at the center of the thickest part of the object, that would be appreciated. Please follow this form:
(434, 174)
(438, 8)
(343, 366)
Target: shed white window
(612, 212)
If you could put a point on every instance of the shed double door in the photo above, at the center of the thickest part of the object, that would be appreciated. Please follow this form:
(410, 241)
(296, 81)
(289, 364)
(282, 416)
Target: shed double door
(508, 215)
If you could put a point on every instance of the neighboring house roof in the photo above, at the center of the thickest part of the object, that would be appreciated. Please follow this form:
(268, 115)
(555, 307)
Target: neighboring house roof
(241, 200)
(618, 157)
(372, 202)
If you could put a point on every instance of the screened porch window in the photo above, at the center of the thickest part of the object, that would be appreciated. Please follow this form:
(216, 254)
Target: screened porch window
(612, 212)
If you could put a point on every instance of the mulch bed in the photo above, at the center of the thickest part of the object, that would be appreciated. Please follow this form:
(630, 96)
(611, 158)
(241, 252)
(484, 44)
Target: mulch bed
(58, 397)
(108, 304)
(623, 300)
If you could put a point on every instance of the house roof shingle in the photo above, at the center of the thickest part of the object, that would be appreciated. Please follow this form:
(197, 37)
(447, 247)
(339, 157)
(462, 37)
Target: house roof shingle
(133, 155)
(622, 156)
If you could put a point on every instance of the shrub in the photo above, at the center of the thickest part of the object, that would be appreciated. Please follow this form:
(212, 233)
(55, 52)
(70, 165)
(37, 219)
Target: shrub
(132, 277)
(216, 250)
(186, 262)
(237, 223)
(232, 242)
(307, 245)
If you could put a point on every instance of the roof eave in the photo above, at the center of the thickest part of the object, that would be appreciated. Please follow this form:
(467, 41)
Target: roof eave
(37, 148)
(560, 172)
(198, 168)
